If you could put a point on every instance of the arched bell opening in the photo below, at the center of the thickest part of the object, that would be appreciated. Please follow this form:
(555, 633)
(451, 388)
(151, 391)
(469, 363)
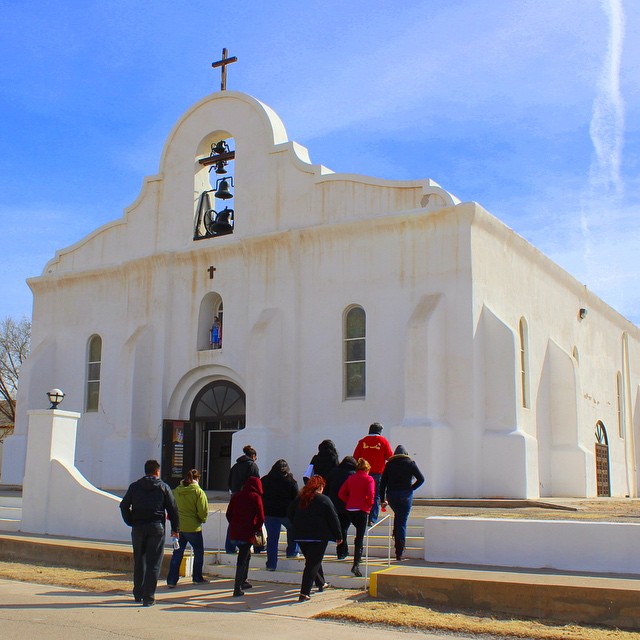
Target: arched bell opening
(213, 187)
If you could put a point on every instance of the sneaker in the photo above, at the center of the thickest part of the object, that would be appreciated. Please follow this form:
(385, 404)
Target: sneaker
(238, 593)
(356, 571)
(148, 603)
(322, 587)
(270, 568)
(303, 598)
(247, 585)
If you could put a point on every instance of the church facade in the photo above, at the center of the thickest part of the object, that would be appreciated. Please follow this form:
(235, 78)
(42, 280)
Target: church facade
(249, 296)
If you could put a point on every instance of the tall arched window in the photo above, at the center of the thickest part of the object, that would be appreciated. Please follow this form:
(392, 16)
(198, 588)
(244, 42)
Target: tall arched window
(524, 362)
(94, 361)
(620, 404)
(354, 353)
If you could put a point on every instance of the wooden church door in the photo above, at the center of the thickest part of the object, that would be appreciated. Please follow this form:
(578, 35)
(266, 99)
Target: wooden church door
(602, 461)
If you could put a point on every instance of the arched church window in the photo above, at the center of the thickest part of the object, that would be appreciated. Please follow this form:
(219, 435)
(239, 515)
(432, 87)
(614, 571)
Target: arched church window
(210, 322)
(620, 404)
(524, 362)
(94, 362)
(354, 353)
(213, 189)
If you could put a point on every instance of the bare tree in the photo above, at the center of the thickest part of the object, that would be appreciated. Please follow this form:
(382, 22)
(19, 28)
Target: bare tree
(15, 343)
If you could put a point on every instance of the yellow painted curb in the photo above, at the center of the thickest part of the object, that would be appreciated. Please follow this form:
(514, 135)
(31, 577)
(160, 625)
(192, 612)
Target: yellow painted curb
(373, 582)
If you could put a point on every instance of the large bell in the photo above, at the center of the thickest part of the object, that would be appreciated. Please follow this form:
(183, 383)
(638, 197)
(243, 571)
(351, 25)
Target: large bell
(222, 191)
(222, 223)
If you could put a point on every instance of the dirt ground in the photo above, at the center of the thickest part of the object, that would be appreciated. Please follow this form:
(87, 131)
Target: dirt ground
(367, 611)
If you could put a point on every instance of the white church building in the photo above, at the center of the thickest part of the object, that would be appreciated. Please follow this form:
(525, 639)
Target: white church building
(249, 296)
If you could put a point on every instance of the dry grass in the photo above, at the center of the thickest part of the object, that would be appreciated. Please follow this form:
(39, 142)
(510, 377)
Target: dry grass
(364, 612)
(424, 619)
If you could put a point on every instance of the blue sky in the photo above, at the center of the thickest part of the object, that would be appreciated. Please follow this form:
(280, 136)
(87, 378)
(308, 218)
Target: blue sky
(529, 107)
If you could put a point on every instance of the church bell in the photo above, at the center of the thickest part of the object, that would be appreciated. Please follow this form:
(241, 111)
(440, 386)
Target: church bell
(222, 222)
(222, 188)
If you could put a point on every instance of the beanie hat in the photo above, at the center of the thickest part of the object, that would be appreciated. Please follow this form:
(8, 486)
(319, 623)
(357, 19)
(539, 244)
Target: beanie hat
(375, 428)
(400, 451)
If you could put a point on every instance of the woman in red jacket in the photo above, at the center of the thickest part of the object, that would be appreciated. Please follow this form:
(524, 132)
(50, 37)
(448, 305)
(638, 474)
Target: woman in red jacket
(357, 493)
(245, 514)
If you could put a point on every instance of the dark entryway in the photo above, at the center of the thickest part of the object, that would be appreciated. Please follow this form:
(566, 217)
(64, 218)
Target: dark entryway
(218, 411)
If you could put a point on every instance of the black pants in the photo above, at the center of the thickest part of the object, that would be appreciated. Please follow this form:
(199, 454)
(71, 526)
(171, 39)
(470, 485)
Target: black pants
(242, 564)
(148, 551)
(359, 521)
(342, 550)
(313, 553)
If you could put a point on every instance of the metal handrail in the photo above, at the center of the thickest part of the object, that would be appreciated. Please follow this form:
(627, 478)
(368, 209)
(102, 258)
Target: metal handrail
(389, 533)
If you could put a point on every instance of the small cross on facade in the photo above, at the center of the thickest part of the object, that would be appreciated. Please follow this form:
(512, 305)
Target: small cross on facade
(223, 63)
(211, 271)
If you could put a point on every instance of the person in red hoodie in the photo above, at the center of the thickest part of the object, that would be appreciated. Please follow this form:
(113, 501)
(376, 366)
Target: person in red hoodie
(357, 493)
(245, 515)
(376, 450)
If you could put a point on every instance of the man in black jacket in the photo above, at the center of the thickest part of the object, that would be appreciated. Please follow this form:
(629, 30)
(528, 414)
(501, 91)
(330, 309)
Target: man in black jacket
(144, 508)
(244, 468)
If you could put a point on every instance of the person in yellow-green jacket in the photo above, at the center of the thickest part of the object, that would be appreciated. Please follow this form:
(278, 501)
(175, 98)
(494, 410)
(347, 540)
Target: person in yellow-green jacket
(194, 509)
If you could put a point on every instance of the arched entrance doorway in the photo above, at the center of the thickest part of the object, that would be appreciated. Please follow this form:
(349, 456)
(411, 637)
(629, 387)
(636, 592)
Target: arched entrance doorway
(218, 411)
(603, 486)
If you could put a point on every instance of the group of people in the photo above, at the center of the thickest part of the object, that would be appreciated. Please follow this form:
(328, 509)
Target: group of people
(335, 495)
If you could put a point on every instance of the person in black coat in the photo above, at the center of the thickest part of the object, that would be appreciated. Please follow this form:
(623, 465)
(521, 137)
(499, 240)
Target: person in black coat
(400, 478)
(315, 523)
(145, 508)
(336, 479)
(280, 489)
(323, 461)
(244, 468)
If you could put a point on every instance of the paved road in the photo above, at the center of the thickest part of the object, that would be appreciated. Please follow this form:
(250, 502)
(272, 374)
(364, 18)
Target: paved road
(272, 612)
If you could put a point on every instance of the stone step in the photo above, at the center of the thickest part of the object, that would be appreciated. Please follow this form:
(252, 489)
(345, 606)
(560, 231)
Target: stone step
(10, 513)
(7, 524)
(289, 571)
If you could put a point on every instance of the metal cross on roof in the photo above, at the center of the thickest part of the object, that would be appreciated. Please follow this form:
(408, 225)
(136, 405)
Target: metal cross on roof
(223, 63)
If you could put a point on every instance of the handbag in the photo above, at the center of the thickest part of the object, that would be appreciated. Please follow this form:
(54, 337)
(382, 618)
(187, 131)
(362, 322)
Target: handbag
(260, 540)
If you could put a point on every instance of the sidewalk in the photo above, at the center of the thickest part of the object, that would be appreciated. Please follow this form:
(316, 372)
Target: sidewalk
(566, 597)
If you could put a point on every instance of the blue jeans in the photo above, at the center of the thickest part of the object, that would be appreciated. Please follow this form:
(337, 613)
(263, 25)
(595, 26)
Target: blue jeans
(375, 509)
(273, 525)
(400, 502)
(197, 544)
(148, 551)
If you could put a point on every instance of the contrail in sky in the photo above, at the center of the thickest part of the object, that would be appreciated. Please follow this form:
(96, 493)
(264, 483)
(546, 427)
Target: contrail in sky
(607, 134)
(607, 120)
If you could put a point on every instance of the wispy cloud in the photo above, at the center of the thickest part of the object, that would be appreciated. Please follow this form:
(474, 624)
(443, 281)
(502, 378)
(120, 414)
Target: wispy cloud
(607, 121)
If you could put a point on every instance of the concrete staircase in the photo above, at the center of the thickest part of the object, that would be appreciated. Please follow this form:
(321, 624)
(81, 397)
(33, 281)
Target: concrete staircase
(379, 554)
(10, 511)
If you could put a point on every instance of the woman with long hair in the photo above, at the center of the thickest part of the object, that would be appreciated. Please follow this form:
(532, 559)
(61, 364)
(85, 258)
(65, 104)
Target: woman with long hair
(279, 491)
(315, 523)
(323, 461)
(358, 493)
(336, 479)
(193, 508)
(245, 515)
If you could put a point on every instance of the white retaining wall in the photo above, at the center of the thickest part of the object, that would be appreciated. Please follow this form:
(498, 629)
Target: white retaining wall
(607, 547)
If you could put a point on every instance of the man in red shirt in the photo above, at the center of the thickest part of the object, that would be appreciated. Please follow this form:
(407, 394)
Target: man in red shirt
(376, 450)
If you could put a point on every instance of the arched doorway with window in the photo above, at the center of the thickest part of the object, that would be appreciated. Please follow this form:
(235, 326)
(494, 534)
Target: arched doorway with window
(603, 486)
(218, 411)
